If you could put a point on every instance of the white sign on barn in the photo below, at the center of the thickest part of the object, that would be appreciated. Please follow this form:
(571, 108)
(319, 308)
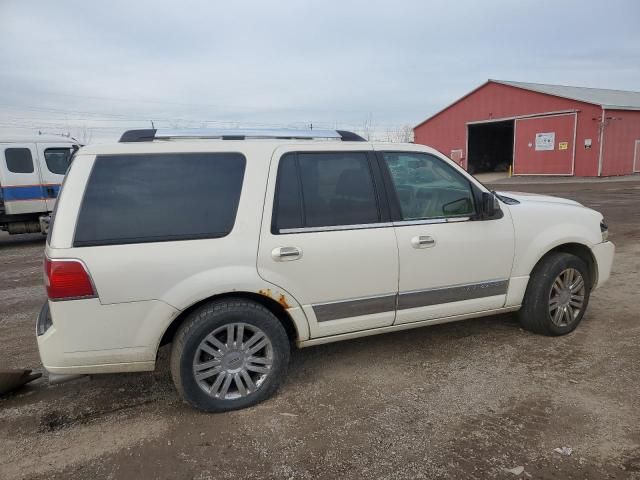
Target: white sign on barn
(545, 141)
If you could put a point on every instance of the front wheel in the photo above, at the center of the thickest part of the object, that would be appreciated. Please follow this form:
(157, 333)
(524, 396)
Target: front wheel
(557, 295)
(228, 355)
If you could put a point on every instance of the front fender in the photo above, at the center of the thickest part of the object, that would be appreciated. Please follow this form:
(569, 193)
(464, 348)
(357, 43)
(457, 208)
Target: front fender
(540, 230)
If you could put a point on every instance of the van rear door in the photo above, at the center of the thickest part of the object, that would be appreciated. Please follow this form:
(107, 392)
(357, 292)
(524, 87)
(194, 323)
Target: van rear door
(20, 179)
(54, 160)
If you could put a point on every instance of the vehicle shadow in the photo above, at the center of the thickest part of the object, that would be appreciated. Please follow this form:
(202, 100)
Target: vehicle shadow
(309, 363)
(308, 366)
(7, 240)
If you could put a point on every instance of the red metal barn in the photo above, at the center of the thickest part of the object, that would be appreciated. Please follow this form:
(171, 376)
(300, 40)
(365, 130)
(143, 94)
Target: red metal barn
(539, 129)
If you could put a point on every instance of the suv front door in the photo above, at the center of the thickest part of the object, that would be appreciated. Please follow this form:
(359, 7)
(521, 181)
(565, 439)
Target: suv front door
(327, 238)
(451, 262)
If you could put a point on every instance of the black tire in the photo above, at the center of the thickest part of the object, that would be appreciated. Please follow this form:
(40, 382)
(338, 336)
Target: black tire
(205, 320)
(534, 314)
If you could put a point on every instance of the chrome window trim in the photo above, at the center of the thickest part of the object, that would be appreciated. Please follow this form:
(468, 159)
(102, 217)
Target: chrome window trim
(336, 228)
(426, 221)
(360, 226)
(431, 221)
(458, 219)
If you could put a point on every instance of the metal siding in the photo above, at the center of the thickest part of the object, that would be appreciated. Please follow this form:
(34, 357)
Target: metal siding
(447, 131)
(550, 162)
(620, 136)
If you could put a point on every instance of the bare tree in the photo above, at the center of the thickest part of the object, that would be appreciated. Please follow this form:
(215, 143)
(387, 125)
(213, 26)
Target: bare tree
(177, 124)
(367, 127)
(83, 135)
(402, 134)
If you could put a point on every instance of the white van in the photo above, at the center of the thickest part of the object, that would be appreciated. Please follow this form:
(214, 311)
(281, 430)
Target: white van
(31, 172)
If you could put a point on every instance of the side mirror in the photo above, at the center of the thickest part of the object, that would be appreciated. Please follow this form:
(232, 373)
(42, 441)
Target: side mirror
(490, 205)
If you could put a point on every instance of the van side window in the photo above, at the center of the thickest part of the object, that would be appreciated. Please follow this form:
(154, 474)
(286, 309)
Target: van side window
(58, 160)
(324, 190)
(19, 160)
(427, 187)
(160, 197)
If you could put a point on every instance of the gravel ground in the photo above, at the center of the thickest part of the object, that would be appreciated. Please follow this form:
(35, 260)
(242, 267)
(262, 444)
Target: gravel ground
(472, 399)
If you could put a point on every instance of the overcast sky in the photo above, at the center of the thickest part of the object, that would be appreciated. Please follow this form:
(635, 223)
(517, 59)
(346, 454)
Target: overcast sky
(97, 68)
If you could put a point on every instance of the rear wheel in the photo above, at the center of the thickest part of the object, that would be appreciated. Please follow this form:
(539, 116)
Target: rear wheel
(557, 295)
(228, 355)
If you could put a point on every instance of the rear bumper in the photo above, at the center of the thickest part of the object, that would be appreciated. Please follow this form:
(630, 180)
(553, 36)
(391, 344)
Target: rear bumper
(86, 337)
(603, 253)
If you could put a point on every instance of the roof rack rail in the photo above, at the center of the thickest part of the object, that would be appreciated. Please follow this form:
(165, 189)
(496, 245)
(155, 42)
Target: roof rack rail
(148, 135)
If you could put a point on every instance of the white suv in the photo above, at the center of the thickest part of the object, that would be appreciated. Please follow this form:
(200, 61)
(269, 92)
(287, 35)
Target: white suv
(235, 245)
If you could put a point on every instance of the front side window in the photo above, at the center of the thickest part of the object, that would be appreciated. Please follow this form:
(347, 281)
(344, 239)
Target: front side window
(19, 160)
(427, 187)
(58, 160)
(160, 197)
(323, 190)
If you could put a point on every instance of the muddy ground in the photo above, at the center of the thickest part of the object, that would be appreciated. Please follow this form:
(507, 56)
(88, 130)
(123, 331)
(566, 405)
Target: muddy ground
(463, 400)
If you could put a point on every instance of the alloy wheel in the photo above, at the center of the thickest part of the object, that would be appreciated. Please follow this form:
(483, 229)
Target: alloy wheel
(233, 361)
(566, 298)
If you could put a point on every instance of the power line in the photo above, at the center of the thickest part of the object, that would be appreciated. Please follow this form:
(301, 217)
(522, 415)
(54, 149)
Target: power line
(127, 100)
(144, 117)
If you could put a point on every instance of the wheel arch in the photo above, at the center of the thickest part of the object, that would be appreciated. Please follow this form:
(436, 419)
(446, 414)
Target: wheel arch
(581, 251)
(276, 308)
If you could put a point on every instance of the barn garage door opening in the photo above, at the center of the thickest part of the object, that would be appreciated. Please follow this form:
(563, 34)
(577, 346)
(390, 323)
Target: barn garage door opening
(490, 146)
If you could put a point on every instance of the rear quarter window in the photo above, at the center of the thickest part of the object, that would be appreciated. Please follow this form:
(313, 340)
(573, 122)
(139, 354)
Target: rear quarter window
(160, 197)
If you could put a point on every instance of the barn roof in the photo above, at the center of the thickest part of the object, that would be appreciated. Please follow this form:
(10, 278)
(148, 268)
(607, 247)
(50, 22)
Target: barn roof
(606, 98)
(612, 99)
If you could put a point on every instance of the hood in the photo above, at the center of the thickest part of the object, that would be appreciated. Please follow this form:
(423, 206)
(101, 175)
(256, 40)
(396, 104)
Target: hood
(534, 197)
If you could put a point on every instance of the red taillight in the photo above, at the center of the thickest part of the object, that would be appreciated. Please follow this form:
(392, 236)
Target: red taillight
(67, 279)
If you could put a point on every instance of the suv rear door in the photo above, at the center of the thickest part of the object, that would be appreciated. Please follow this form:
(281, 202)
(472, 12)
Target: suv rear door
(451, 262)
(327, 239)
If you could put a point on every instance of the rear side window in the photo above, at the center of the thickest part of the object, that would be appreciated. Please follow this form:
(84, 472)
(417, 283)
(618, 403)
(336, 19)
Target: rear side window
(316, 190)
(19, 160)
(160, 197)
(58, 160)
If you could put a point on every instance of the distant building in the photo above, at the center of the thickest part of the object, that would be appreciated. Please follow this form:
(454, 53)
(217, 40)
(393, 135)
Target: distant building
(539, 129)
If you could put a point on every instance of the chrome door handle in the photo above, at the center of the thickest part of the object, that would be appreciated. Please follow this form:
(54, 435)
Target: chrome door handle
(423, 241)
(285, 254)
